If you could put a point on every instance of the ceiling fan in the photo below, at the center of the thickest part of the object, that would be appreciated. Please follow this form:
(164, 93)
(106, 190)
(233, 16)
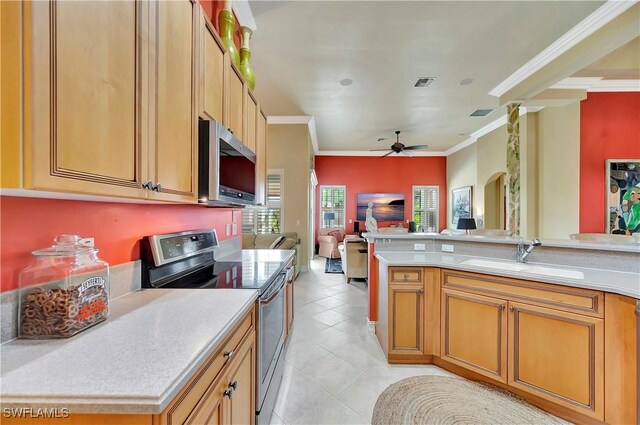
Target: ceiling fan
(398, 147)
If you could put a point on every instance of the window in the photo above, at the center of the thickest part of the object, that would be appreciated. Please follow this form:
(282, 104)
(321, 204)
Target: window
(425, 207)
(332, 200)
(267, 219)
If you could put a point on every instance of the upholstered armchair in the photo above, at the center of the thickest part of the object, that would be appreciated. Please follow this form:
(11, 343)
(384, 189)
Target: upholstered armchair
(329, 239)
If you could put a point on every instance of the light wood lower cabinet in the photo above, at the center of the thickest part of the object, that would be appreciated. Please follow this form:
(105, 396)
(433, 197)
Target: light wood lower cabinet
(550, 344)
(558, 356)
(474, 333)
(406, 311)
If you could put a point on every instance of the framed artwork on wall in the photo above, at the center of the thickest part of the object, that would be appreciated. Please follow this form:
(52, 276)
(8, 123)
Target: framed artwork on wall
(461, 204)
(622, 186)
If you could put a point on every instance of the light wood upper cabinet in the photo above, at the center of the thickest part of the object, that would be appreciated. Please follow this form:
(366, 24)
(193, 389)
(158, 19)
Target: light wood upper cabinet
(558, 356)
(211, 72)
(82, 126)
(173, 149)
(406, 318)
(251, 119)
(261, 158)
(234, 116)
(474, 333)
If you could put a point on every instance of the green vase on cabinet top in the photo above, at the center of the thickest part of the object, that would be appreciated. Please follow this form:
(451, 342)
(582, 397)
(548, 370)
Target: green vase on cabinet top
(227, 24)
(245, 58)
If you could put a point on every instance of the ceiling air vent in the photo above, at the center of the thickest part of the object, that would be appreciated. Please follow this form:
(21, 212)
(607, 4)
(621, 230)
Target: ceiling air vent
(481, 112)
(424, 82)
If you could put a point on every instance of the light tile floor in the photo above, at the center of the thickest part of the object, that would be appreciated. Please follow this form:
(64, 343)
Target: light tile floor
(334, 367)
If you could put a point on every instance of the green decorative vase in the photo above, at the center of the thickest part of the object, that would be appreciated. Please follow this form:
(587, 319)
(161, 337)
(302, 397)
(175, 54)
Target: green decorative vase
(245, 58)
(227, 23)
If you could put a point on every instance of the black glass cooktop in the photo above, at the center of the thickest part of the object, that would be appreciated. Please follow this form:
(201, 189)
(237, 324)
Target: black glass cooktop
(229, 275)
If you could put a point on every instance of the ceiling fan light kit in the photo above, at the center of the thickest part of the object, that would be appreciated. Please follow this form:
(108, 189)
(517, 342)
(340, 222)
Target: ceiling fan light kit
(400, 148)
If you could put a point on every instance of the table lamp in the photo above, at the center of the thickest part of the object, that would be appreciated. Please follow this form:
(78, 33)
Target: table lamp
(329, 216)
(466, 224)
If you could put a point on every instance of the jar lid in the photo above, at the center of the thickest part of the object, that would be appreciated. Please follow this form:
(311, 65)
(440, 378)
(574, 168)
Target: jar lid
(66, 245)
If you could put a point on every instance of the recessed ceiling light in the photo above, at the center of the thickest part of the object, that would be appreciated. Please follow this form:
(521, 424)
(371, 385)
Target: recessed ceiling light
(465, 82)
(346, 82)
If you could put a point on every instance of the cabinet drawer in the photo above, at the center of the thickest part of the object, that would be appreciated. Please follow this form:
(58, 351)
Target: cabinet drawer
(189, 397)
(576, 300)
(403, 275)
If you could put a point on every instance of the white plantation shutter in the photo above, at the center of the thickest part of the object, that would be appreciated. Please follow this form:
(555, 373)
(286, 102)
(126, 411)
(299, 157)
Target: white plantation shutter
(248, 220)
(333, 199)
(269, 219)
(425, 207)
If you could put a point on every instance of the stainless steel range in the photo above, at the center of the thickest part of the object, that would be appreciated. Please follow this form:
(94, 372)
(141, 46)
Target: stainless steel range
(186, 260)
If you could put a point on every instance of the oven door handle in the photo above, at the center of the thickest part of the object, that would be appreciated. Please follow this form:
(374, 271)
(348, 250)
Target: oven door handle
(274, 293)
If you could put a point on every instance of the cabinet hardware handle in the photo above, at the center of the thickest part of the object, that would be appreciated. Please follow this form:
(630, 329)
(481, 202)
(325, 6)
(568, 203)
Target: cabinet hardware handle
(502, 307)
(421, 291)
(406, 276)
(147, 185)
(512, 309)
(230, 130)
(233, 385)
(228, 393)
(229, 354)
(157, 187)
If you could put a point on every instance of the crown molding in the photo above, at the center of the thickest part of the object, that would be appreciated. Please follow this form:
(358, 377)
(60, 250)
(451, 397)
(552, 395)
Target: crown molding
(592, 23)
(309, 120)
(598, 84)
(242, 10)
(379, 153)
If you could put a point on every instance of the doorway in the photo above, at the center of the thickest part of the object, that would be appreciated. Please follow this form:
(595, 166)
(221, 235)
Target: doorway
(495, 198)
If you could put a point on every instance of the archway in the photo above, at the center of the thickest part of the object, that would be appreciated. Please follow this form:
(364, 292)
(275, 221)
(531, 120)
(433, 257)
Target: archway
(495, 202)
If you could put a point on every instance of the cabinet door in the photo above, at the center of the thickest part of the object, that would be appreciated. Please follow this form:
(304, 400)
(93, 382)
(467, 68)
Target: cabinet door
(240, 404)
(406, 312)
(173, 151)
(235, 110)
(82, 111)
(210, 409)
(261, 158)
(251, 118)
(474, 333)
(212, 72)
(557, 356)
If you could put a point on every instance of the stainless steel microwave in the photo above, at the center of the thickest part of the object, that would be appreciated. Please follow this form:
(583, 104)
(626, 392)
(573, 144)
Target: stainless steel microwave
(226, 167)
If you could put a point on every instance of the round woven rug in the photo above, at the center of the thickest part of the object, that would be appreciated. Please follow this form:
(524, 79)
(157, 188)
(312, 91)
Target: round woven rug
(443, 400)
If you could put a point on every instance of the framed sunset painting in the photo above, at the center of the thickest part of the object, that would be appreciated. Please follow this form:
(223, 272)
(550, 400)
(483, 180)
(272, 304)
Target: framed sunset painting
(386, 206)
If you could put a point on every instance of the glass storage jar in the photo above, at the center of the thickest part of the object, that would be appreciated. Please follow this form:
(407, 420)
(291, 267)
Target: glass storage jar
(64, 291)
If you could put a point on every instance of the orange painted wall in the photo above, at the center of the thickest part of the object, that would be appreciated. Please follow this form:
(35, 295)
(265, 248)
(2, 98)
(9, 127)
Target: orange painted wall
(31, 223)
(609, 129)
(376, 174)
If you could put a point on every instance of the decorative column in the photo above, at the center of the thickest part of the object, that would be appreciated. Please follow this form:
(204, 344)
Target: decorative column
(513, 168)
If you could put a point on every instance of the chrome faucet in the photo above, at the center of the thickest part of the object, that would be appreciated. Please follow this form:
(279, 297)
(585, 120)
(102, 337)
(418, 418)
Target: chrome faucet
(523, 253)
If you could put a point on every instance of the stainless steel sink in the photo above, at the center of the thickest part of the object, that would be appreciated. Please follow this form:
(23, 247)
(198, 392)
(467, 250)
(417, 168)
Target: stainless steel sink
(525, 268)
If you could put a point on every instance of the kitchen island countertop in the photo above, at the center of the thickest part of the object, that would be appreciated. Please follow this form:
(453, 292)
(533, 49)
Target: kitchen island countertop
(623, 283)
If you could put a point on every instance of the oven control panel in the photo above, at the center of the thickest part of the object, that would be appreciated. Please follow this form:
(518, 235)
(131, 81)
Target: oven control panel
(176, 246)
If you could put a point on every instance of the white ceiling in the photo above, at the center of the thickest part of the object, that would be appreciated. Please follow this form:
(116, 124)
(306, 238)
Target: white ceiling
(302, 49)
